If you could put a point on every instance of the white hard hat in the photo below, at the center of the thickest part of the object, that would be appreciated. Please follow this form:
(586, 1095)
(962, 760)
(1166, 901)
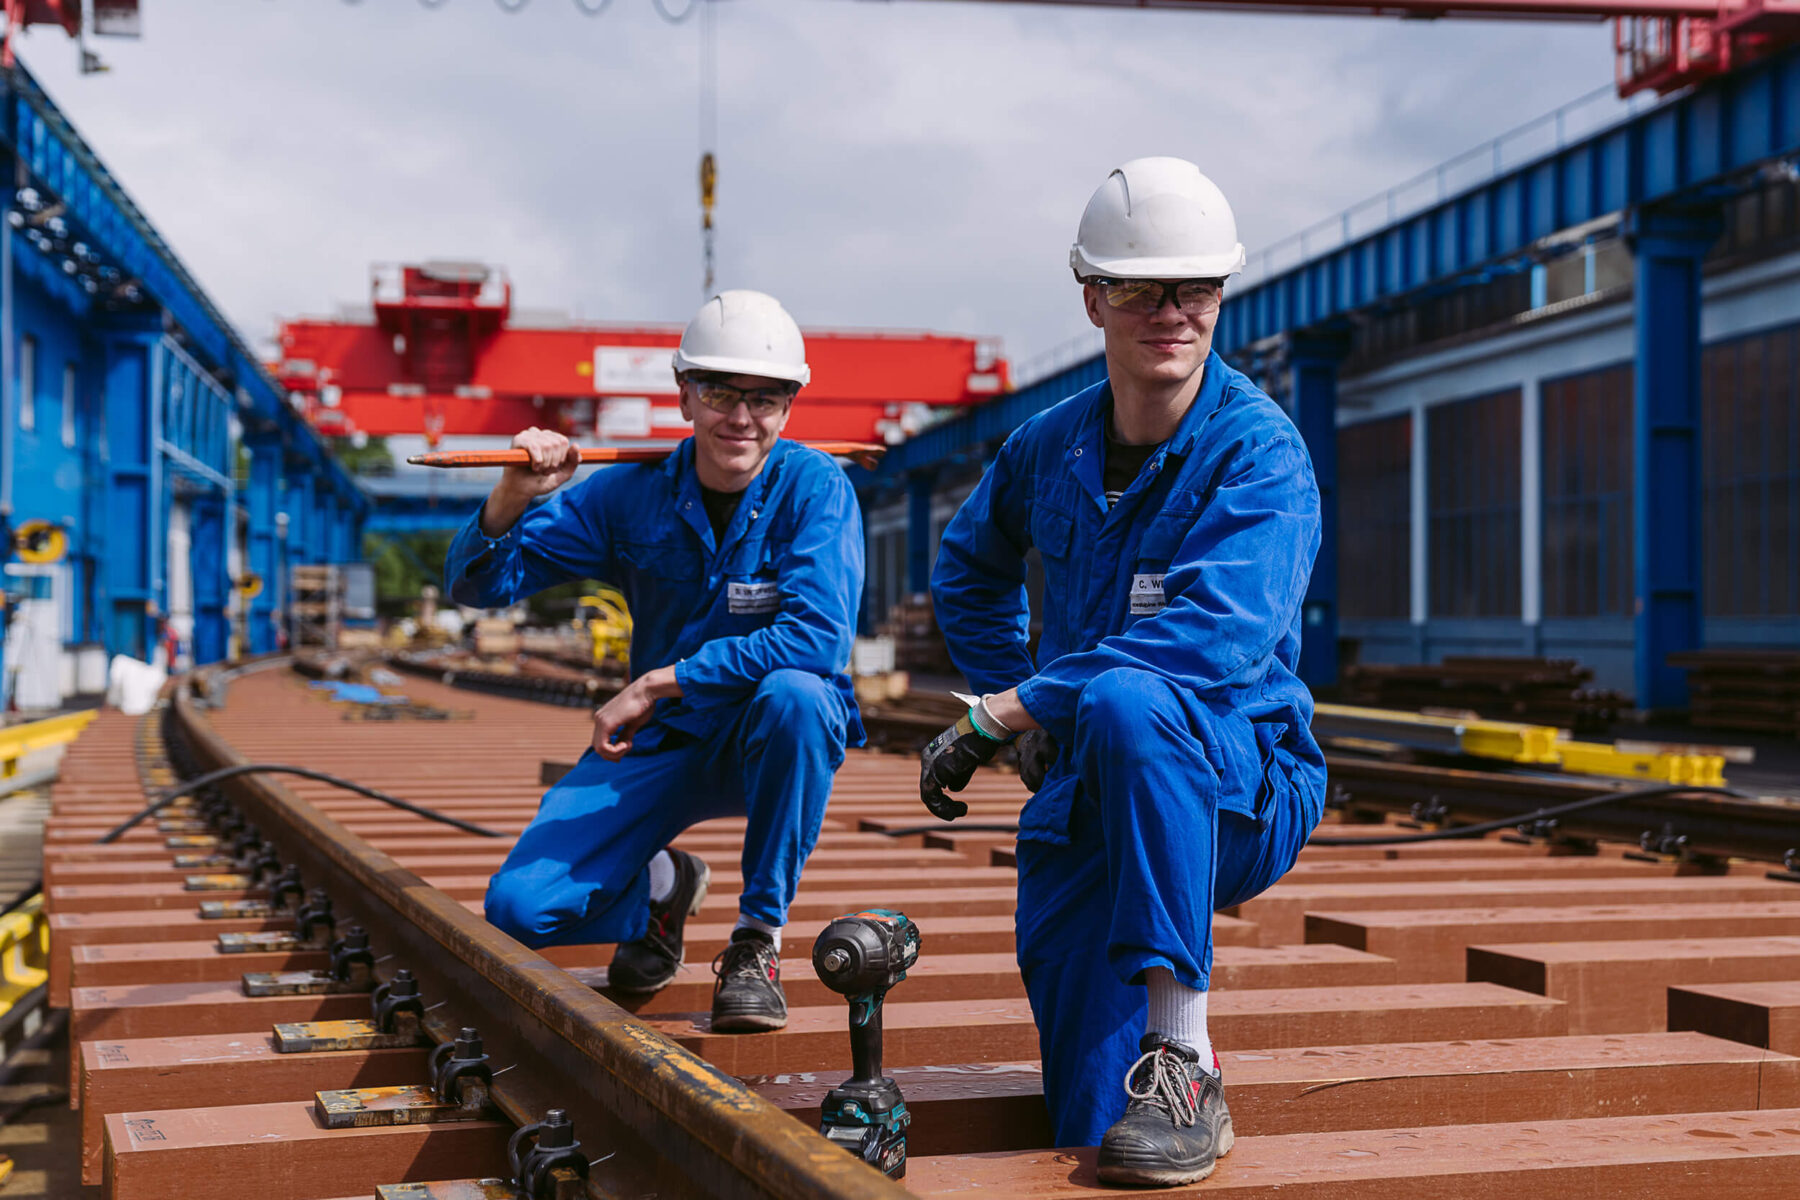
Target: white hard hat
(744, 333)
(1157, 218)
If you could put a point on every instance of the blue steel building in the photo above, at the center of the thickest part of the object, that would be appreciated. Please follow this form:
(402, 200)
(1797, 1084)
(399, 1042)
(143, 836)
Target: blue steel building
(1553, 403)
(138, 421)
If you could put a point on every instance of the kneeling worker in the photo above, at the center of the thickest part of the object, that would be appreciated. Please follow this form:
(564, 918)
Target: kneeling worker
(741, 557)
(1175, 510)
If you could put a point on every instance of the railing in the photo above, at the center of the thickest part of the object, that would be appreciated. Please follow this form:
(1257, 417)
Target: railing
(1578, 119)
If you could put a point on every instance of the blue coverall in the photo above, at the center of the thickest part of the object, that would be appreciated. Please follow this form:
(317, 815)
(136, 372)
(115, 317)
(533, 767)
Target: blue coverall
(759, 629)
(1188, 777)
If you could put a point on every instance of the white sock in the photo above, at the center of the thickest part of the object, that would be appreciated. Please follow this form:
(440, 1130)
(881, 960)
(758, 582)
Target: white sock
(1178, 1013)
(662, 876)
(774, 931)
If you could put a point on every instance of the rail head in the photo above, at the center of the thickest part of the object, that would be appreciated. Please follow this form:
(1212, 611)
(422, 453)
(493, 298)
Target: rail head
(668, 1119)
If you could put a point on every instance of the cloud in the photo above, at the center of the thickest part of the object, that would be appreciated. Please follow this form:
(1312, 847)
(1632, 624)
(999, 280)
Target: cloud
(904, 164)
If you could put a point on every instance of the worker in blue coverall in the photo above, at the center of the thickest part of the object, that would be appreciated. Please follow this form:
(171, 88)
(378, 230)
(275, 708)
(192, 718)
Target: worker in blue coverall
(1166, 735)
(741, 557)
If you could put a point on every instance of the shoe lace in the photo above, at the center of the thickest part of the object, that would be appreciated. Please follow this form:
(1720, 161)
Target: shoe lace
(751, 957)
(1166, 1085)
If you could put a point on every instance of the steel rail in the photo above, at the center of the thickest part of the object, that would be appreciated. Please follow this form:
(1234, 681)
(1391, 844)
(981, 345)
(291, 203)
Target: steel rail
(668, 1121)
(1763, 828)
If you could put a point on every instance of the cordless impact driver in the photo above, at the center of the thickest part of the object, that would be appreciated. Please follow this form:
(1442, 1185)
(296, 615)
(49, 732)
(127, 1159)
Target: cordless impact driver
(862, 955)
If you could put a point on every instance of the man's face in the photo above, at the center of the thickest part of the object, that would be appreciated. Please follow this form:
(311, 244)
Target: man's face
(1151, 337)
(737, 440)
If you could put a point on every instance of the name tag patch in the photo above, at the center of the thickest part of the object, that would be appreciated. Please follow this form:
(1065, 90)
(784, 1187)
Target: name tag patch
(1147, 595)
(757, 596)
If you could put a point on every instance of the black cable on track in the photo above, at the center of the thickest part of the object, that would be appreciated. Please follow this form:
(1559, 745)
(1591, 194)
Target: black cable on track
(1555, 810)
(169, 795)
(1438, 835)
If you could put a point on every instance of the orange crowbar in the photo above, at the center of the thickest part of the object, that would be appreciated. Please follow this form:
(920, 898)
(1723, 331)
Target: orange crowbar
(863, 454)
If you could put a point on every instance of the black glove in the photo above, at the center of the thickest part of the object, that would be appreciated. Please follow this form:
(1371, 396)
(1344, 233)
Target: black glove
(1037, 752)
(949, 761)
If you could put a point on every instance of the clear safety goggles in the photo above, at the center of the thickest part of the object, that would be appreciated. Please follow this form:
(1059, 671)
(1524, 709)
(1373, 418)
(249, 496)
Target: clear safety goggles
(724, 398)
(1191, 297)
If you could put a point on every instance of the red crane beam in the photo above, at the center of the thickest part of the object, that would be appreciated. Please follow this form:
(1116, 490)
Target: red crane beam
(443, 355)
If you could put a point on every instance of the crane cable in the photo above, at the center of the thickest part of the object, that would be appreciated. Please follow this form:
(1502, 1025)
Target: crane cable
(709, 130)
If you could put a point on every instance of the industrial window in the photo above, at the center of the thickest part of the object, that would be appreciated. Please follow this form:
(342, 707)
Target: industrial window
(1472, 506)
(1750, 474)
(1375, 519)
(1587, 448)
(68, 405)
(28, 383)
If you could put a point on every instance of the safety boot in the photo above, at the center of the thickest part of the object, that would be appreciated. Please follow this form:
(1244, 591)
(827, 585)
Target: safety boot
(651, 961)
(748, 997)
(1176, 1125)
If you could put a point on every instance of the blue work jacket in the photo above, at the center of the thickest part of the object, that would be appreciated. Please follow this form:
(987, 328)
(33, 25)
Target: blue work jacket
(780, 591)
(1196, 574)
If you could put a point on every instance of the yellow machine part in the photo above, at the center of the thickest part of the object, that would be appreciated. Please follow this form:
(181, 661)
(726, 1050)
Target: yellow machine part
(610, 627)
(16, 741)
(40, 542)
(1595, 758)
(24, 952)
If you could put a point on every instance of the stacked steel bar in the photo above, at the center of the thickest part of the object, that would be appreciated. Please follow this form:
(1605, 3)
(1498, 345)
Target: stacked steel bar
(1550, 691)
(1752, 691)
(1478, 1016)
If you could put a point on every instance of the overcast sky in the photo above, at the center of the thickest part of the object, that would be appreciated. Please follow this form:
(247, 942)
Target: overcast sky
(895, 163)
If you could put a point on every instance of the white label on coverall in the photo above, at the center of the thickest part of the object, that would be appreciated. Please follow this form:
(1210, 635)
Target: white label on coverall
(1146, 595)
(758, 596)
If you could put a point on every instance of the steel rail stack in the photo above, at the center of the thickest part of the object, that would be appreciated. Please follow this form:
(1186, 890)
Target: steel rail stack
(1482, 1016)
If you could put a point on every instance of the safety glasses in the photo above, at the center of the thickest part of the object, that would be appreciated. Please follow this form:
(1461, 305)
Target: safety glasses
(723, 398)
(1191, 297)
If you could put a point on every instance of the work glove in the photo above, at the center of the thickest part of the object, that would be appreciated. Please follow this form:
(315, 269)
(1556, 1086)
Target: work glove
(1037, 752)
(949, 762)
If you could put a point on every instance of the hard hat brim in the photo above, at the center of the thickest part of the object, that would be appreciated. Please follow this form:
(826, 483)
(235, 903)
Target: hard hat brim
(1209, 266)
(801, 375)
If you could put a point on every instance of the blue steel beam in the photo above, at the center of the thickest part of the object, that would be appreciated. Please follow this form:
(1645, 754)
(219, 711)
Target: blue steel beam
(59, 160)
(1682, 147)
(1691, 143)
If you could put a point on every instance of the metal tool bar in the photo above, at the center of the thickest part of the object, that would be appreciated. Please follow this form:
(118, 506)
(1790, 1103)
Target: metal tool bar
(864, 454)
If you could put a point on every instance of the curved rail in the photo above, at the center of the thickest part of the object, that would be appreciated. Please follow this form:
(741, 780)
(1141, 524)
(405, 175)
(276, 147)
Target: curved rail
(670, 1121)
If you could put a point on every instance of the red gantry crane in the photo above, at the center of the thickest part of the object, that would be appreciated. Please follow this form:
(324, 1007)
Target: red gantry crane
(444, 353)
(1658, 45)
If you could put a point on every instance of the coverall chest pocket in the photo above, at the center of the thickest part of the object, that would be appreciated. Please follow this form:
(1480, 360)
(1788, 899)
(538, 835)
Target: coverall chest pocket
(662, 581)
(752, 585)
(1051, 533)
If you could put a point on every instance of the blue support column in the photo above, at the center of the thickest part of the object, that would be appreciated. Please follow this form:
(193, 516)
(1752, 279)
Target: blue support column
(319, 522)
(207, 561)
(136, 528)
(1313, 366)
(265, 476)
(1667, 249)
(299, 508)
(919, 486)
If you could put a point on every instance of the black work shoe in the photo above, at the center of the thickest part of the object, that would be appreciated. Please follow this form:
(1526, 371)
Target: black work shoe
(1176, 1125)
(652, 960)
(748, 996)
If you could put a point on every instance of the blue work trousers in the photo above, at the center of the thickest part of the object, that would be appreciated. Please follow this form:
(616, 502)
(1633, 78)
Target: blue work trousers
(1151, 854)
(579, 873)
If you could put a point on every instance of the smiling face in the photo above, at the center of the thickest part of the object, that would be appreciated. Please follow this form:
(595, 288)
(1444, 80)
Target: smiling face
(1161, 348)
(730, 447)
